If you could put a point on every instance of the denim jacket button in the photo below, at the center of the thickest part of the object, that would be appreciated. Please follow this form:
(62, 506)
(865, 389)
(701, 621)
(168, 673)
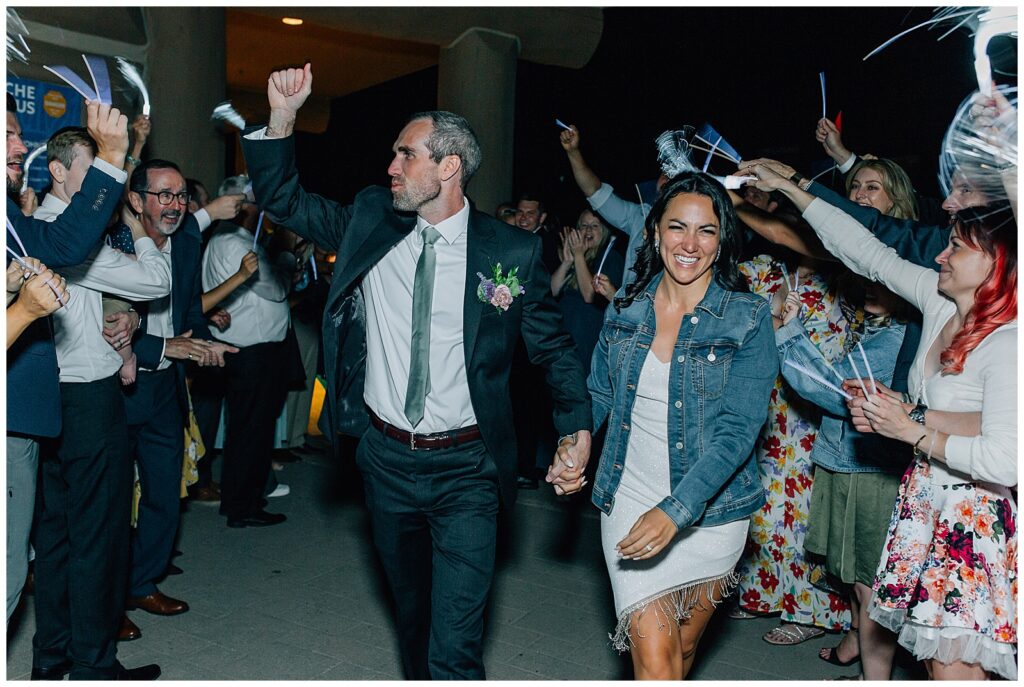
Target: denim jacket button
(680, 358)
(679, 404)
(711, 357)
(694, 319)
(679, 445)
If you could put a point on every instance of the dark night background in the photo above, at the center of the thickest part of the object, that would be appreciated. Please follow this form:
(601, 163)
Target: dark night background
(751, 72)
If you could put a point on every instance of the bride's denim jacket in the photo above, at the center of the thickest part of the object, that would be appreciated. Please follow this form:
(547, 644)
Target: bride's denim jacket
(723, 367)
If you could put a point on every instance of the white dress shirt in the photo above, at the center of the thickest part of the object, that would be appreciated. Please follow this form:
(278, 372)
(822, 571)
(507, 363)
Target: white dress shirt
(259, 307)
(158, 318)
(83, 355)
(988, 382)
(387, 289)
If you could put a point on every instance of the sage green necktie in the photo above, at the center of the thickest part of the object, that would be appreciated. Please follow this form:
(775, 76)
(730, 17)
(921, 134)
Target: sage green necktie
(422, 297)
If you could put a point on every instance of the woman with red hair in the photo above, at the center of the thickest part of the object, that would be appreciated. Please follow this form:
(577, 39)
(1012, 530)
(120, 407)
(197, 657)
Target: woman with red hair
(947, 578)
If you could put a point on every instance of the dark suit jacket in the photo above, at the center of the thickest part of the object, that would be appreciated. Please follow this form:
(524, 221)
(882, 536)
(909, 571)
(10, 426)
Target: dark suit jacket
(186, 314)
(33, 390)
(914, 241)
(362, 233)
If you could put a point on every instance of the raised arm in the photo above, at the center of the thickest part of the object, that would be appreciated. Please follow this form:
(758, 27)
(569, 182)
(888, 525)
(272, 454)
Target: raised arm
(793, 235)
(919, 243)
(270, 157)
(848, 240)
(581, 172)
(70, 238)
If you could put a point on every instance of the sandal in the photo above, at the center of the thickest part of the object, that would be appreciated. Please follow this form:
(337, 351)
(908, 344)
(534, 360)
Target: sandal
(791, 634)
(739, 613)
(833, 655)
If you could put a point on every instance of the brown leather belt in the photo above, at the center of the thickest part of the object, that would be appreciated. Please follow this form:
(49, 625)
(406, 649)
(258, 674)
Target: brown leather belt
(418, 442)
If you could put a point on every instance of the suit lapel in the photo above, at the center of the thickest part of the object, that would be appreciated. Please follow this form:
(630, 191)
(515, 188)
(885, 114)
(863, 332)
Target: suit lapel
(367, 250)
(481, 255)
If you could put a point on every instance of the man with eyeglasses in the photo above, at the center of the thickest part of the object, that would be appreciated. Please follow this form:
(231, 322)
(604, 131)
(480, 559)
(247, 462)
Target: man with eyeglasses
(255, 384)
(84, 499)
(172, 335)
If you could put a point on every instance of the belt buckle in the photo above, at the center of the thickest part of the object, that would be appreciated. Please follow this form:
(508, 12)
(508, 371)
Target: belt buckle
(412, 441)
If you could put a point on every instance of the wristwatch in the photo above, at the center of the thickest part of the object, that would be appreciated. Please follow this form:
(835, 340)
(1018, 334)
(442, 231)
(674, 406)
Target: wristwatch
(796, 178)
(917, 413)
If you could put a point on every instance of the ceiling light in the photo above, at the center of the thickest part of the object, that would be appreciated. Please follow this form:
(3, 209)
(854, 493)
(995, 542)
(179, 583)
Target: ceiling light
(291, 21)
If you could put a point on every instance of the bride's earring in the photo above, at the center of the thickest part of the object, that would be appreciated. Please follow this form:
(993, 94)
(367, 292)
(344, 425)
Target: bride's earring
(719, 253)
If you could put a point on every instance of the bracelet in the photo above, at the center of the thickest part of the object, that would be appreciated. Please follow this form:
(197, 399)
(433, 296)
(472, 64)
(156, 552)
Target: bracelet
(130, 160)
(796, 178)
(917, 450)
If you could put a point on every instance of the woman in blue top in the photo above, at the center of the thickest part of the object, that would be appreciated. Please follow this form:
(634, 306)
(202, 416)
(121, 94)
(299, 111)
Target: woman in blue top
(682, 372)
(856, 476)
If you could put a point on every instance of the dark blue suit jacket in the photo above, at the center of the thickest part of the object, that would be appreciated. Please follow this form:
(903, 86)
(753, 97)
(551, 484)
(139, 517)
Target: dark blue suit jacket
(33, 393)
(186, 314)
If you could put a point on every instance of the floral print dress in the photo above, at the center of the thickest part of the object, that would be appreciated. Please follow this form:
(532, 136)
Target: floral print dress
(774, 574)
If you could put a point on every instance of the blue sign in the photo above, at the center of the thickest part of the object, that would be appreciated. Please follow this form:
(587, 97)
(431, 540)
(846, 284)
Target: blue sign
(43, 108)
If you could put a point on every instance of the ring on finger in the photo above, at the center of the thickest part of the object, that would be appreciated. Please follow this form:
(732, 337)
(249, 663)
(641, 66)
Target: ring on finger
(649, 548)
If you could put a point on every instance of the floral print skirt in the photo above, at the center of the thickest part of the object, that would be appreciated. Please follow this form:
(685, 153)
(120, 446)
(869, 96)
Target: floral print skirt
(947, 580)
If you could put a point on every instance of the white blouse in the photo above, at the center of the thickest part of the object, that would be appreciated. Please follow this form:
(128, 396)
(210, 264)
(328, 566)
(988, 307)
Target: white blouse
(988, 382)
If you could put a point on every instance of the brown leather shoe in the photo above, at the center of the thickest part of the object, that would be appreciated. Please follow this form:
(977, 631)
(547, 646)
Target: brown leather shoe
(129, 630)
(158, 603)
(208, 494)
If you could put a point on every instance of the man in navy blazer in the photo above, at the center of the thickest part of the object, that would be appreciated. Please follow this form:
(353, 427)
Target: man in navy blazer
(417, 352)
(173, 333)
(33, 408)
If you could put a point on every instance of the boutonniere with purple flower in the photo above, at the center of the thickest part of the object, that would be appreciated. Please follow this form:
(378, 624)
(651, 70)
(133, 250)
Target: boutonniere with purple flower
(499, 290)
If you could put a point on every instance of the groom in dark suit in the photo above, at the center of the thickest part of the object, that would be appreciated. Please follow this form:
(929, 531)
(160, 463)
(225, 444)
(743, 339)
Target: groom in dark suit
(417, 353)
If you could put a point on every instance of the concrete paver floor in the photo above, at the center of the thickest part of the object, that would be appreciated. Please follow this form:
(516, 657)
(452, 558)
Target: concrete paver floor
(306, 600)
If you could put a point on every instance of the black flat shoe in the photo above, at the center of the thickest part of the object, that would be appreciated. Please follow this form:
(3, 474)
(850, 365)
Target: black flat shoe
(57, 672)
(258, 519)
(148, 672)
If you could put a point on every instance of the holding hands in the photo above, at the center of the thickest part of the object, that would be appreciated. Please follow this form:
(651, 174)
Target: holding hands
(203, 353)
(569, 463)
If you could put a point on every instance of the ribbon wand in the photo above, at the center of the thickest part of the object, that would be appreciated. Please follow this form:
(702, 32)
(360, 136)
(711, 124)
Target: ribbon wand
(819, 379)
(256, 236)
(824, 112)
(860, 379)
(864, 357)
(604, 257)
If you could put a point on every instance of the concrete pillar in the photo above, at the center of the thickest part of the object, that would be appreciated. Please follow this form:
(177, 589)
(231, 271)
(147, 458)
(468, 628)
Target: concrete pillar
(477, 79)
(186, 57)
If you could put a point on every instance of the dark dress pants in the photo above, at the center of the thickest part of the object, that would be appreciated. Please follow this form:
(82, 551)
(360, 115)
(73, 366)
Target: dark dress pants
(157, 442)
(207, 393)
(81, 542)
(434, 520)
(254, 395)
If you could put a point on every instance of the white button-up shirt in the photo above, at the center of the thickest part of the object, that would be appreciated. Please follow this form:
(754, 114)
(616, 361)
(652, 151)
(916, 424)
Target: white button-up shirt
(259, 307)
(388, 288)
(82, 353)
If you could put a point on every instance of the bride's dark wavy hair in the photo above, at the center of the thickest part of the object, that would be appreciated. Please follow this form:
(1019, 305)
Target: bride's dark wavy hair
(725, 269)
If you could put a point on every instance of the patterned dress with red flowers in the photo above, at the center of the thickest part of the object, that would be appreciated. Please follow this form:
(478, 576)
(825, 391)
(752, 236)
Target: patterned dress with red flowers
(774, 573)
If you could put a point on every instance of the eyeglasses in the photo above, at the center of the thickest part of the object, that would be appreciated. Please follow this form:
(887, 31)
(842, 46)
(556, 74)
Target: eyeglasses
(165, 197)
